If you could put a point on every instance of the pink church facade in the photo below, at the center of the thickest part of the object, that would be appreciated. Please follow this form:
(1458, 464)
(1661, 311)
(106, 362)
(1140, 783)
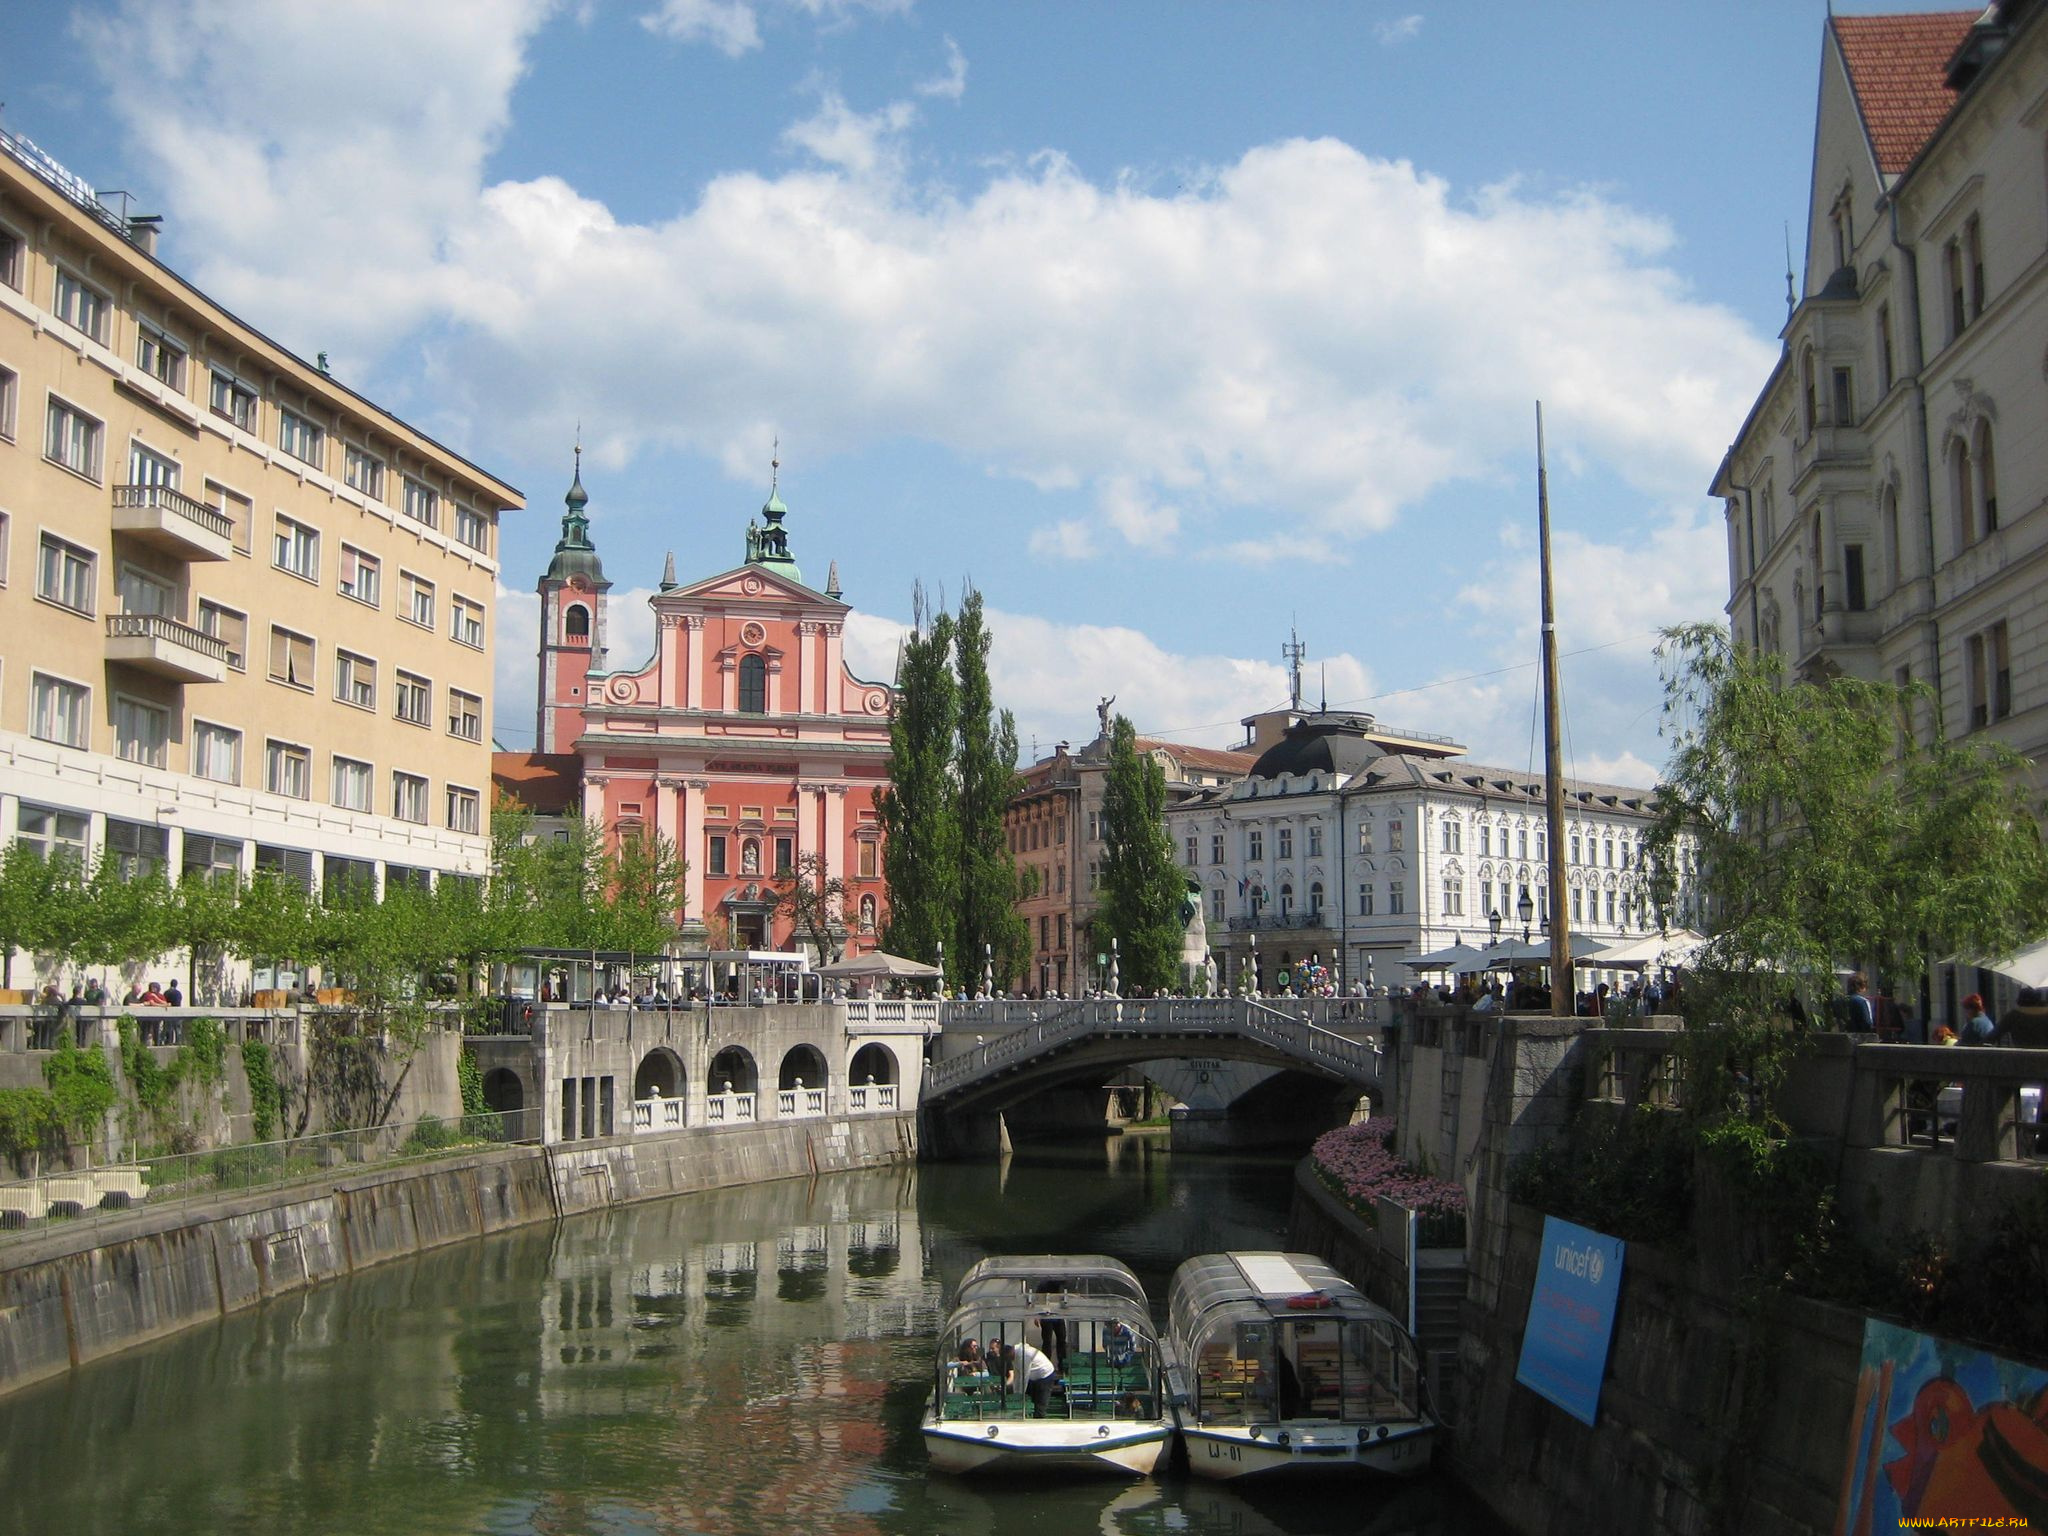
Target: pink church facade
(745, 739)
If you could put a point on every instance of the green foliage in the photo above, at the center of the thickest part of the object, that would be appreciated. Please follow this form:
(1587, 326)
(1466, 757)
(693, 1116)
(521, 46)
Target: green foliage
(266, 1099)
(1828, 830)
(203, 1058)
(150, 1084)
(1628, 1175)
(986, 745)
(1142, 887)
(470, 1076)
(430, 1135)
(82, 1086)
(815, 899)
(28, 1120)
(920, 809)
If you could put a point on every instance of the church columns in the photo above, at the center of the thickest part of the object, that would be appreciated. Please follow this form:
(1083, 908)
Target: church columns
(774, 668)
(690, 842)
(594, 785)
(690, 659)
(829, 673)
(805, 686)
(835, 829)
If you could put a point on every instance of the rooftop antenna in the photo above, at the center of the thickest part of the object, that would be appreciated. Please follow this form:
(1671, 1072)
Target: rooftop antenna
(1291, 653)
(1791, 299)
(579, 448)
(774, 464)
(1323, 708)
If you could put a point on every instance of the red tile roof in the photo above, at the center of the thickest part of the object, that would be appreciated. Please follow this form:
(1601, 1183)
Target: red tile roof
(1208, 759)
(1897, 66)
(544, 783)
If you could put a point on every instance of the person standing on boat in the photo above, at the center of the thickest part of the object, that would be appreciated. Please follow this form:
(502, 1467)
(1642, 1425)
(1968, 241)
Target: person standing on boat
(1029, 1370)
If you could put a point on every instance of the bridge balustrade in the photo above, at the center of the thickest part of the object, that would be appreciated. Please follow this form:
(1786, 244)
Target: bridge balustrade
(729, 1108)
(871, 1099)
(657, 1114)
(792, 1103)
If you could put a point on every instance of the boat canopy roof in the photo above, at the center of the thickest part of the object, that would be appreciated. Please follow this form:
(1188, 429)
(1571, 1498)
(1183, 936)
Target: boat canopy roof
(1032, 1278)
(1215, 1288)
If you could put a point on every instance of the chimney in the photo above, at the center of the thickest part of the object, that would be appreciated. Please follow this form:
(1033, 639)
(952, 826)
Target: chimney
(142, 232)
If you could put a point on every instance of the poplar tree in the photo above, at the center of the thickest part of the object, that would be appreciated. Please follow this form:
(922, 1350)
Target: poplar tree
(1142, 887)
(987, 774)
(920, 808)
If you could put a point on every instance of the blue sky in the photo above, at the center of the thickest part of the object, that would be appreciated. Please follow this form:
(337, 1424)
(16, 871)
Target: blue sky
(1168, 325)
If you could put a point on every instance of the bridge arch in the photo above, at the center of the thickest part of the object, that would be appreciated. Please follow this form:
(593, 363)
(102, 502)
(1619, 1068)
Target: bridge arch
(733, 1071)
(503, 1090)
(873, 1063)
(802, 1066)
(661, 1070)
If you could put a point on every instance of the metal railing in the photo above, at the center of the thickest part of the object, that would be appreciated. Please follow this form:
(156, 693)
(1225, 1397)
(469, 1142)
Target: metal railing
(162, 498)
(27, 1027)
(38, 1203)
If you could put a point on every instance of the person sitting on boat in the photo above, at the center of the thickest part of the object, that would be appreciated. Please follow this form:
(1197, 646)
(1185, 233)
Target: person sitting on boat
(1026, 1369)
(969, 1362)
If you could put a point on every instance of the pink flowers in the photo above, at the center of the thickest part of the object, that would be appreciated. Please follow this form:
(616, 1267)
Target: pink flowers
(1358, 1162)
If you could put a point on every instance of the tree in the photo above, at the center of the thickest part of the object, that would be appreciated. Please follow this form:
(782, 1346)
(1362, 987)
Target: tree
(1826, 831)
(1142, 887)
(920, 808)
(815, 900)
(986, 760)
(28, 907)
(641, 881)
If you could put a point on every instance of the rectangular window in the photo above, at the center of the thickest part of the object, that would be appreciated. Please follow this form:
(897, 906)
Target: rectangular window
(60, 711)
(1844, 399)
(1454, 834)
(212, 858)
(142, 733)
(419, 600)
(1397, 899)
(1486, 906)
(465, 810)
(1578, 905)
(1973, 259)
(10, 399)
(409, 797)
(363, 471)
(1365, 837)
(465, 715)
(421, 504)
(1852, 577)
(355, 680)
(1454, 896)
(138, 851)
(870, 859)
(141, 592)
(232, 400)
(1215, 847)
(1486, 841)
(1365, 899)
(1194, 846)
(47, 833)
(299, 437)
(2000, 658)
(1285, 840)
(228, 627)
(82, 306)
(351, 791)
(415, 699)
(296, 548)
(236, 508)
(216, 753)
(287, 770)
(1886, 371)
(785, 855)
(160, 357)
(1521, 842)
(473, 529)
(148, 467)
(291, 658)
(1610, 910)
(13, 259)
(65, 575)
(1254, 845)
(361, 576)
(1095, 826)
(1394, 837)
(1216, 907)
(73, 439)
(466, 626)
(1952, 270)
(715, 854)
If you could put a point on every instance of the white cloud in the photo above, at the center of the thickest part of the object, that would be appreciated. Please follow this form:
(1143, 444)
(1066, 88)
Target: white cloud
(733, 27)
(952, 85)
(1397, 29)
(860, 143)
(1067, 539)
(629, 636)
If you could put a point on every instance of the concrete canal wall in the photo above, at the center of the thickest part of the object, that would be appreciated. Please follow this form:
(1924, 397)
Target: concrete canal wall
(70, 1297)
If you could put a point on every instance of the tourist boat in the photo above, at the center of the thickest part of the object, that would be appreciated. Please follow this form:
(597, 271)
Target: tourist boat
(1106, 1410)
(1290, 1369)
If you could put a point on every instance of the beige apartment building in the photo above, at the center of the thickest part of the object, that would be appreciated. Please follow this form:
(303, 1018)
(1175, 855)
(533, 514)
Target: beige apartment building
(245, 614)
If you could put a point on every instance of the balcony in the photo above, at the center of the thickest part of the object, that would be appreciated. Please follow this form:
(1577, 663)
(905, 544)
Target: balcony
(164, 646)
(173, 522)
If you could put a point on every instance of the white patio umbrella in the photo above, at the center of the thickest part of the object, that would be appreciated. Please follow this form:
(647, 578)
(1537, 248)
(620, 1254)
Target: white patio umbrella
(1677, 947)
(1458, 957)
(1537, 952)
(2029, 967)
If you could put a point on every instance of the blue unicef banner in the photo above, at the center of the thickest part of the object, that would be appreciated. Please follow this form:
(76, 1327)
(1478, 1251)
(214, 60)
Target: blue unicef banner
(1571, 1317)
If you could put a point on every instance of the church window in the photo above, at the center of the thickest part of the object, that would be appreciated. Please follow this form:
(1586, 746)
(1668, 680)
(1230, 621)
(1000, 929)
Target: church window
(753, 686)
(577, 625)
(717, 853)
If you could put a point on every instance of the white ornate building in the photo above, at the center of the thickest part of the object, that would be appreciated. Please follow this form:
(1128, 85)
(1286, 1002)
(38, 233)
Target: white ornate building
(1359, 847)
(1887, 499)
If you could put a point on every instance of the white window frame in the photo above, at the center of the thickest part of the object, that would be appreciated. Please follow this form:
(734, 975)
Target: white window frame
(420, 503)
(290, 677)
(295, 548)
(77, 559)
(416, 588)
(210, 738)
(13, 257)
(460, 796)
(71, 432)
(152, 751)
(362, 470)
(10, 402)
(157, 468)
(361, 576)
(6, 546)
(410, 684)
(72, 727)
(81, 305)
(409, 794)
(352, 784)
(237, 508)
(471, 632)
(300, 437)
(472, 529)
(238, 657)
(355, 679)
(458, 697)
(52, 841)
(244, 401)
(279, 755)
(160, 356)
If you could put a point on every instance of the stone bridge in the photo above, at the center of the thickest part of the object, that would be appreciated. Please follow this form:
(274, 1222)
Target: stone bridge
(1210, 1053)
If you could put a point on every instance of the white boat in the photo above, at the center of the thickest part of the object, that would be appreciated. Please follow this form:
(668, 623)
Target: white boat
(1289, 1369)
(1105, 1410)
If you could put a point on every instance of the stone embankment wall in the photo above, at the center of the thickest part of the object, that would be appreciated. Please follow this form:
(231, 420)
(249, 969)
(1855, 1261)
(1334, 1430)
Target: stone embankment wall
(70, 1297)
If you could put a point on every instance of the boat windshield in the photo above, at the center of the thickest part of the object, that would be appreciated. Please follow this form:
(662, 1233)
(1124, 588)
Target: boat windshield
(1101, 1350)
(1357, 1371)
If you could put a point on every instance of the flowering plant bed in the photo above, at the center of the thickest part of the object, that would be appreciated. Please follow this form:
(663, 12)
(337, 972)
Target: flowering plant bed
(1357, 1163)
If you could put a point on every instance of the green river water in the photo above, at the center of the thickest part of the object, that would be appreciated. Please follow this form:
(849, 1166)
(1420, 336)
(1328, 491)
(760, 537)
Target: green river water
(753, 1360)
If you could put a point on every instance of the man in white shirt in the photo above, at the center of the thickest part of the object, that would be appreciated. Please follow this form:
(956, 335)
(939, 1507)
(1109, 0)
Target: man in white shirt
(1029, 1371)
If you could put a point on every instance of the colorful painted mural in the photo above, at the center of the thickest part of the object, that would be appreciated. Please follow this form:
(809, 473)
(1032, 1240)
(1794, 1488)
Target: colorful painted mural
(1942, 1432)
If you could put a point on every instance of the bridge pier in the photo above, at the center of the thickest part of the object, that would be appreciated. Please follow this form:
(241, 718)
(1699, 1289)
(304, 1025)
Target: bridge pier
(944, 1136)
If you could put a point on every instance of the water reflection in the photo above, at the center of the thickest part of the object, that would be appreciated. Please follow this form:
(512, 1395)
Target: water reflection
(636, 1371)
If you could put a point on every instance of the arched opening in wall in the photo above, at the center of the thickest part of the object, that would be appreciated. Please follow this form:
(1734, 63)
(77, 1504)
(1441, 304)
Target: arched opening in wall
(803, 1066)
(1986, 465)
(503, 1091)
(872, 1066)
(867, 914)
(1286, 900)
(660, 1072)
(753, 685)
(1962, 494)
(576, 623)
(733, 1071)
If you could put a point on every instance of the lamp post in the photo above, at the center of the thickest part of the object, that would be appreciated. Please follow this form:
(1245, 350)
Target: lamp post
(1253, 962)
(1493, 927)
(1115, 980)
(1525, 909)
(988, 970)
(940, 945)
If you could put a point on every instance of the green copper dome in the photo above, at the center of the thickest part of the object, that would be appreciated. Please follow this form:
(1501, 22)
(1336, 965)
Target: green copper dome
(769, 545)
(575, 555)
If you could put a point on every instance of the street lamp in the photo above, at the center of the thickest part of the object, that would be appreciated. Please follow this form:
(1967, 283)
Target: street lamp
(1525, 909)
(1493, 925)
(988, 970)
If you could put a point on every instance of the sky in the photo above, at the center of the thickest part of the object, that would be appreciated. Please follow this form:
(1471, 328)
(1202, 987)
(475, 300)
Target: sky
(1171, 326)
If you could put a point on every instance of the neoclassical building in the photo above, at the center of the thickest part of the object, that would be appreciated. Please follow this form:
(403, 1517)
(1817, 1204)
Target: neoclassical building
(1359, 847)
(1887, 497)
(745, 739)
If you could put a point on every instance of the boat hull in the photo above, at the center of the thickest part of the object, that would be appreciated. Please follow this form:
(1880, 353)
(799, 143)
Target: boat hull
(1048, 1445)
(1313, 1449)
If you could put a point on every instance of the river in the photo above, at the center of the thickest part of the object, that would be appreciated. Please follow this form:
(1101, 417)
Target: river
(752, 1360)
